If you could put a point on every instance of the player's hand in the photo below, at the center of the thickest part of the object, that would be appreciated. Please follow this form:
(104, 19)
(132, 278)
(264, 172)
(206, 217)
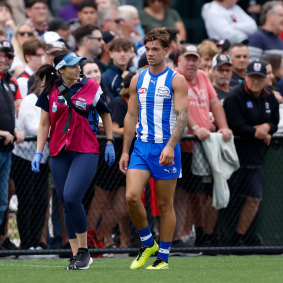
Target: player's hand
(167, 156)
(201, 133)
(267, 139)
(227, 134)
(124, 162)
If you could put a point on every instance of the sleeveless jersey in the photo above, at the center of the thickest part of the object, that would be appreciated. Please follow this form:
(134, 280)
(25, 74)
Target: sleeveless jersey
(156, 106)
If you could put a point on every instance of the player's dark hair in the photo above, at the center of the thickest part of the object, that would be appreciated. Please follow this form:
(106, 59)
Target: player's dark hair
(160, 34)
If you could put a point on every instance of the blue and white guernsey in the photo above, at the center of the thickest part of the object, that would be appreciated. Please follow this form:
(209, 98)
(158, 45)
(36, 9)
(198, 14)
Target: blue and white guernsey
(156, 106)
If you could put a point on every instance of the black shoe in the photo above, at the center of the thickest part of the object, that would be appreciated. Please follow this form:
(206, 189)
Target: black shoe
(8, 245)
(83, 259)
(179, 244)
(238, 240)
(42, 245)
(71, 264)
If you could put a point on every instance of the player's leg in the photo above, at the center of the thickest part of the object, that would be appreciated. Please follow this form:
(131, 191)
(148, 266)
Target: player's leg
(165, 198)
(135, 184)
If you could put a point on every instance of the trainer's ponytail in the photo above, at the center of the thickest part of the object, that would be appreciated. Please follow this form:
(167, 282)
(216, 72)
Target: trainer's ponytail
(49, 74)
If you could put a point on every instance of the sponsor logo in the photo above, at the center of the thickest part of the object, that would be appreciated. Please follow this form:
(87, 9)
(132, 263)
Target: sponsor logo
(54, 107)
(142, 90)
(249, 104)
(80, 104)
(163, 91)
(61, 64)
(267, 108)
(257, 67)
(12, 87)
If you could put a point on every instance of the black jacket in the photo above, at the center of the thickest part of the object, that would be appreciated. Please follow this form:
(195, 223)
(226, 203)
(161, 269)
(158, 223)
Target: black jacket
(243, 112)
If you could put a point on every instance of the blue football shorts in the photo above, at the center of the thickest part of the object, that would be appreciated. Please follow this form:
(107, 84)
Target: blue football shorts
(145, 156)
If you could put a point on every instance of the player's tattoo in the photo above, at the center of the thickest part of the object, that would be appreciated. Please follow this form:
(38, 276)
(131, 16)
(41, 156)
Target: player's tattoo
(178, 129)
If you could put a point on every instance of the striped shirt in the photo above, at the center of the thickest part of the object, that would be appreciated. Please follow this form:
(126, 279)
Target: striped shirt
(156, 106)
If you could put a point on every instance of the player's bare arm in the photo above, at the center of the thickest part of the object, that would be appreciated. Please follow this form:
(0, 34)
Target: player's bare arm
(130, 122)
(180, 87)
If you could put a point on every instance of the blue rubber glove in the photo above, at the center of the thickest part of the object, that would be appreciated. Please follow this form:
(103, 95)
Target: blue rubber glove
(109, 154)
(35, 164)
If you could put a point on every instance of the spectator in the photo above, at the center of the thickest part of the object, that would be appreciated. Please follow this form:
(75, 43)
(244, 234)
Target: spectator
(7, 77)
(6, 20)
(207, 49)
(225, 20)
(175, 45)
(276, 62)
(130, 24)
(34, 54)
(156, 13)
(70, 12)
(73, 161)
(222, 74)
(11, 85)
(191, 192)
(23, 32)
(87, 14)
(8, 134)
(18, 7)
(37, 13)
(31, 188)
(105, 4)
(112, 78)
(269, 84)
(252, 113)
(266, 40)
(109, 19)
(108, 36)
(62, 27)
(239, 54)
(90, 43)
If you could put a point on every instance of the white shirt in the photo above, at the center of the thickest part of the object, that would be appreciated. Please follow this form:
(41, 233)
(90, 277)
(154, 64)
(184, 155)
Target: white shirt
(232, 24)
(28, 122)
(23, 82)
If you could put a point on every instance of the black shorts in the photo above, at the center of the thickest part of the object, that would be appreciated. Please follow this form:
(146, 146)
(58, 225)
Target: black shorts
(110, 178)
(246, 182)
(190, 182)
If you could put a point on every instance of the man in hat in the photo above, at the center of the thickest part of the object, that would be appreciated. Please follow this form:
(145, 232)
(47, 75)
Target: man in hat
(252, 113)
(8, 132)
(202, 99)
(221, 74)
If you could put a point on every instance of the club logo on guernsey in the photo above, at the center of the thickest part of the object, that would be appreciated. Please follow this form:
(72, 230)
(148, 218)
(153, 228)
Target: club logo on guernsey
(164, 92)
(142, 90)
(80, 103)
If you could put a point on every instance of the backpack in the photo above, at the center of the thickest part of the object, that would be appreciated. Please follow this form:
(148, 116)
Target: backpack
(93, 243)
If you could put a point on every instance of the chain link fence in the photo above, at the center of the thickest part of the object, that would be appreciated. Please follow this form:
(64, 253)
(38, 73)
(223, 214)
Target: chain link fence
(34, 219)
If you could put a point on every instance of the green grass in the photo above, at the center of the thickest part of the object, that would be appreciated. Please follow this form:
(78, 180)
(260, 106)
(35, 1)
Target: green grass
(182, 269)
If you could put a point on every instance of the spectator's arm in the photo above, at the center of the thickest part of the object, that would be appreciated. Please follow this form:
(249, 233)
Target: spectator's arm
(182, 30)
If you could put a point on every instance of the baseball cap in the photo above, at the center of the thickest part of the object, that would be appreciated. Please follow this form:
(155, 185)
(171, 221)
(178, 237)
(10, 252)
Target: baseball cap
(58, 23)
(70, 59)
(190, 50)
(107, 36)
(257, 67)
(221, 59)
(6, 46)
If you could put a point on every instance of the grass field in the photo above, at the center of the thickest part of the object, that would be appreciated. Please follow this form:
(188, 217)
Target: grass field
(182, 269)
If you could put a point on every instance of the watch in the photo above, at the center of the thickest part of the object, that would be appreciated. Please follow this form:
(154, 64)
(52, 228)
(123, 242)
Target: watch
(195, 127)
(111, 140)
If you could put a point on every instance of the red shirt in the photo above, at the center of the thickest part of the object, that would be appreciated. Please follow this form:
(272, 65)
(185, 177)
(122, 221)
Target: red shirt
(80, 137)
(12, 85)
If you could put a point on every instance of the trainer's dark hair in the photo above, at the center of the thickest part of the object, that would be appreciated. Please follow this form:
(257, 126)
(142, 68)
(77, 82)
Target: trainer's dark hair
(160, 34)
(49, 73)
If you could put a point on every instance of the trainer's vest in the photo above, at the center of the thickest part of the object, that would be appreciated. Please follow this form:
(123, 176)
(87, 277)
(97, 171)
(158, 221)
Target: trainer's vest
(156, 106)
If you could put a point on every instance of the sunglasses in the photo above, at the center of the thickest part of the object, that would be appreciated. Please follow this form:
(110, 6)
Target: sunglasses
(22, 33)
(94, 37)
(117, 21)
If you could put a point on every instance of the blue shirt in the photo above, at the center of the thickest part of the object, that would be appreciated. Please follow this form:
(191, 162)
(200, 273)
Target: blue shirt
(156, 106)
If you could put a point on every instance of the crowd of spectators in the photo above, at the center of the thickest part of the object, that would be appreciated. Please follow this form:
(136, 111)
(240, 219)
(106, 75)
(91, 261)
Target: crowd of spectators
(109, 34)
